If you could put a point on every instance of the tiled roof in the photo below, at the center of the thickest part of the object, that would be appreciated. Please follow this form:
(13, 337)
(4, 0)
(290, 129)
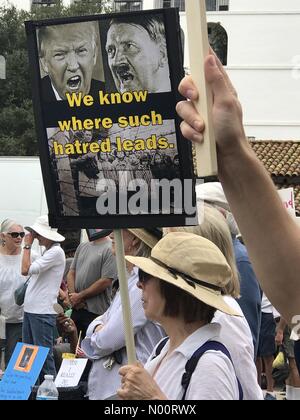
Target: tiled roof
(280, 158)
(282, 161)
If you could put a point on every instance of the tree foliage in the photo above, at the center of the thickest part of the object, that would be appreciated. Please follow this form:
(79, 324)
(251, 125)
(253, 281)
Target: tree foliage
(17, 131)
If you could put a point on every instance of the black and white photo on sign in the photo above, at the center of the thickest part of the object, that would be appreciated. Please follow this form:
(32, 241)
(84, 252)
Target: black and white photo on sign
(105, 94)
(70, 60)
(87, 163)
(136, 56)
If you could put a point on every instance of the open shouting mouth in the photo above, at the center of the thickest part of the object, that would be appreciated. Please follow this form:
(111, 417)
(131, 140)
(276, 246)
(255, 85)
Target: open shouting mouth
(74, 83)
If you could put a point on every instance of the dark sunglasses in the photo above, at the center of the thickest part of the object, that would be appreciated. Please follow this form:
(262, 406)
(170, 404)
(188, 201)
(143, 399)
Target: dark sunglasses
(15, 235)
(144, 277)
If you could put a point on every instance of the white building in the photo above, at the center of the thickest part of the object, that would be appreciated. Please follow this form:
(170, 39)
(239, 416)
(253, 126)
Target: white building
(263, 61)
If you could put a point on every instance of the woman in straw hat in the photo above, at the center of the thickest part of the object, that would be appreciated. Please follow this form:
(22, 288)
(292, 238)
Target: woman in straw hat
(46, 274)
(11, 238)
(182, 285)
(105, 340)
(235, 331)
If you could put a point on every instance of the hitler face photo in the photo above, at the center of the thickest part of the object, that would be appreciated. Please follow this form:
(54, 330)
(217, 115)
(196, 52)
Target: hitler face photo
(135, 60)
(68, 56)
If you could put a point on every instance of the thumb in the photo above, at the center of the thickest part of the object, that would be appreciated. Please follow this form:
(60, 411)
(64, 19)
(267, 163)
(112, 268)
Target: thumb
(216, 80)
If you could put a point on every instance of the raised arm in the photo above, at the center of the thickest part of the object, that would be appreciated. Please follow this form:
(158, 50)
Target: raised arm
(271, 236)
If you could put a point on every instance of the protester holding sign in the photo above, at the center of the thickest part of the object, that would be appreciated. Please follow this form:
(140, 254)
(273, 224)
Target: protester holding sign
(235, 331)
(271, 236)
(182, 285)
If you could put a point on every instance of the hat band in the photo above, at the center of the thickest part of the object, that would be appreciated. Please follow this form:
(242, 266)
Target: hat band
(190, 280)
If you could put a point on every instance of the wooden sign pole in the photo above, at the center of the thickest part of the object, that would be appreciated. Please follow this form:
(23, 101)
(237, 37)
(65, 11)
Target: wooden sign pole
(128, 327)
(206, 154)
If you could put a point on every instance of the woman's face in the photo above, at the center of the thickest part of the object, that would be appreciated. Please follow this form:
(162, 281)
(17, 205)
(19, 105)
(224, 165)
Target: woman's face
(14, 237)
(153, 302)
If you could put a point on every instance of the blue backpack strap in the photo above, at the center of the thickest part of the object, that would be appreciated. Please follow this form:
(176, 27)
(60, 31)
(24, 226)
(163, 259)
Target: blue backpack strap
(160, 347)
(193, 361)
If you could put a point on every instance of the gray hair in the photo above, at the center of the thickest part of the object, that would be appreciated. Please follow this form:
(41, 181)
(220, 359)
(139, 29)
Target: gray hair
(7, 224)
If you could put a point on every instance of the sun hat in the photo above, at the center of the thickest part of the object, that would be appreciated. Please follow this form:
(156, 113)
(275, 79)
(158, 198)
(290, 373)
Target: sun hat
(41, 227)
(192, 263)
(149, 236)
(212, 192)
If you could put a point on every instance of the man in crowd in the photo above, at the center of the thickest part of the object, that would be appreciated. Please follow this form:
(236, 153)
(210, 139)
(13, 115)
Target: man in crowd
(90, 278)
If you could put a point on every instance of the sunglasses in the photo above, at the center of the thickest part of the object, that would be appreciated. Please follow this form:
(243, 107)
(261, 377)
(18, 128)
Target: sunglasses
(144, 277)
(15, 235)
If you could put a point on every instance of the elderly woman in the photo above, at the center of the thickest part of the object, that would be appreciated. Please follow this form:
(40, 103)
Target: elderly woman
(182, 287)
(235, 331)
(11, 236)
(105, 340)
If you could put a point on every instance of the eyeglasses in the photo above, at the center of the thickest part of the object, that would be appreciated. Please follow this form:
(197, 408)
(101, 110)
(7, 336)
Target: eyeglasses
(144, 277)
(15, 235)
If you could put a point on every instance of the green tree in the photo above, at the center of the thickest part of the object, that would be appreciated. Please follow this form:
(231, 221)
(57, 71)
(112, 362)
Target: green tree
(17, 130)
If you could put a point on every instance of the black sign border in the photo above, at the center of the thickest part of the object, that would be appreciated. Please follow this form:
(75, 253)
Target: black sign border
(175, 56)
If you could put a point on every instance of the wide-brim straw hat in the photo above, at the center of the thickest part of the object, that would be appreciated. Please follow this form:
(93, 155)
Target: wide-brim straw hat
(191, 263)
(149, 236)
(41, 227)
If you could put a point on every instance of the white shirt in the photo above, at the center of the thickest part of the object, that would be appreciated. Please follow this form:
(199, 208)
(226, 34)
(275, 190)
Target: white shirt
(104, 383)
(266, 305)
(46, 277)
(213, 379)
(236, 336)
(10, 279)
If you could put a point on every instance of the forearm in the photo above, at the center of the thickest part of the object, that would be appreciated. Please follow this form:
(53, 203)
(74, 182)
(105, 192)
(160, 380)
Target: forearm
(73, 339)
(281, 325)
(264, 224)
(95, 289)
(71, 281)
(26, 262)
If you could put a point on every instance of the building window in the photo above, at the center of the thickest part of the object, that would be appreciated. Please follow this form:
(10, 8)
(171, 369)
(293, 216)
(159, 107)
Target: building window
(218, 40)
(217, 5)
(163, 4)
(211, 5)
(128, 6)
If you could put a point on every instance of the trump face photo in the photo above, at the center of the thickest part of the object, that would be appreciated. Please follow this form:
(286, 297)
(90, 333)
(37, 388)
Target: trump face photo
(68, 56)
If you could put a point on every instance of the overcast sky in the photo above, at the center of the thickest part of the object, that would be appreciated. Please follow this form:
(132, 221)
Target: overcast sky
(22, 4)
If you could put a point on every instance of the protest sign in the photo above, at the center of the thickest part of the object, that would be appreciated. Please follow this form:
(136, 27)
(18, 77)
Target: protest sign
(104, 93)
(288, 200)
(22, 372)
(70, 372)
